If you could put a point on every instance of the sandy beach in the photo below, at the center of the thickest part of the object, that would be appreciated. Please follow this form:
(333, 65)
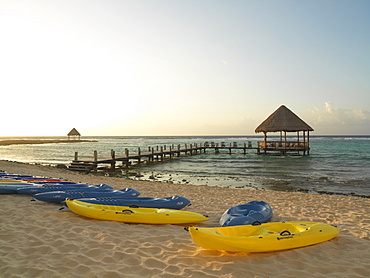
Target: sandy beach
(39, 240)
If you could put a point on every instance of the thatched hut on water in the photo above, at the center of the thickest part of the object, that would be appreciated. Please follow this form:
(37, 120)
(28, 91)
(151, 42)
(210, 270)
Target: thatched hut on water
(284, 120)
(74, 134)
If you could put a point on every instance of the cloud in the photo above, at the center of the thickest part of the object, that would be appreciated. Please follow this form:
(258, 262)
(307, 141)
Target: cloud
(331, 119)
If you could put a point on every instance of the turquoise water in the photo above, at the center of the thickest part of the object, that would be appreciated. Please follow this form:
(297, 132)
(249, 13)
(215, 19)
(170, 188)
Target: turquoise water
(336, 164)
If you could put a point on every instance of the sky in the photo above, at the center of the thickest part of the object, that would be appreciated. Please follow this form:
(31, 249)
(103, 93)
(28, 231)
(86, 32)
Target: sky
(182, 67)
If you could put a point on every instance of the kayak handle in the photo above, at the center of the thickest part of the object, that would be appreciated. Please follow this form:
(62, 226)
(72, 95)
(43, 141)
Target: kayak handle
(256, 223)
(285, 233)
(125, 211)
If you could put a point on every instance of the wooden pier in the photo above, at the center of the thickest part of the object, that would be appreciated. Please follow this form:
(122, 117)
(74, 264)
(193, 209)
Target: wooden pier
(160, 154)
(153, 154)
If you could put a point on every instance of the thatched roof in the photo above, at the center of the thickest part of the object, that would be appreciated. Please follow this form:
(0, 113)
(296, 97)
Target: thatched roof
(283, 120)
(74, 132)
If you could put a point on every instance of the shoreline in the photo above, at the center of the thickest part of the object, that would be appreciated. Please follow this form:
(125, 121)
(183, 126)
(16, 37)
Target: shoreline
(230, 182)
(135, 174)
(35, 141)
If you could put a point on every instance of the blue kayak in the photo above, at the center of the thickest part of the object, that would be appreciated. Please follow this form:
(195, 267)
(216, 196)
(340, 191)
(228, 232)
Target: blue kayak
(12, 187)
(38, 183)
(16, 177)
(174, 202)
(61, 187)
(60, 196)
(254, 212)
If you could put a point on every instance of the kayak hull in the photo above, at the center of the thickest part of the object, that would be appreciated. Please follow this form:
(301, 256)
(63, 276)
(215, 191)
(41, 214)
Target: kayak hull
(60, 196)
(266, 237)
(11, 188)
(134, 215)
(174, 202)
(62, 187)
(245, 214)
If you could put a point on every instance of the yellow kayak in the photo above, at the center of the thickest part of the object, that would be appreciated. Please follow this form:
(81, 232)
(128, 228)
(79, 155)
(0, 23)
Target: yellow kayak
(266, 237)
(134, 215)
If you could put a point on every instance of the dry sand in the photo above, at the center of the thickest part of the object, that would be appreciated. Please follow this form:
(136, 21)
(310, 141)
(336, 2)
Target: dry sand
(39, 240)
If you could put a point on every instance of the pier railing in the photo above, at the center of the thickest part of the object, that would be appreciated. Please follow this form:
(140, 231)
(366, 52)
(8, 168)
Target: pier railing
(283, 145)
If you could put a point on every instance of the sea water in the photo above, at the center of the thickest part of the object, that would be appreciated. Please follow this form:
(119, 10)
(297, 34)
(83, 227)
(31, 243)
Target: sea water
(336, 164)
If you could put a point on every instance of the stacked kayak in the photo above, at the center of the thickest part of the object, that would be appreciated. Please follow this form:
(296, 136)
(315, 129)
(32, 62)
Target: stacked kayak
(86, 192)
(62, 187)
(254, 212)
(134, 215)
(14, 177)
(12, 187)
(174, 202)
(9, 184)
(264, 237)
(40, 180)
(5, 177)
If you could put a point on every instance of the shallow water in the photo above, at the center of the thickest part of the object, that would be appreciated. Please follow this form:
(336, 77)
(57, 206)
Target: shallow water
(336, 164)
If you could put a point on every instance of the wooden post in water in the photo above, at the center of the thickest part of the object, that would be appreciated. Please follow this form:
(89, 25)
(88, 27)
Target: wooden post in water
(95, 168)
(127, 154)
(139, 155)
(149, 157)
(113, 163)
(76, 156)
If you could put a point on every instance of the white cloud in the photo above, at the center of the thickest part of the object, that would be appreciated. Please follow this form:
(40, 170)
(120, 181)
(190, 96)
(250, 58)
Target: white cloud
(335, 120)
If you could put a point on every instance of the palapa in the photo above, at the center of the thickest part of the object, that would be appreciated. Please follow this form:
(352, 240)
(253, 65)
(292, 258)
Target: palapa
(283, 119)
(74, 132)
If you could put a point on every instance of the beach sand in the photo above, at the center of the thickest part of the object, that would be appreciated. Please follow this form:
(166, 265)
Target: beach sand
(39, 240)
